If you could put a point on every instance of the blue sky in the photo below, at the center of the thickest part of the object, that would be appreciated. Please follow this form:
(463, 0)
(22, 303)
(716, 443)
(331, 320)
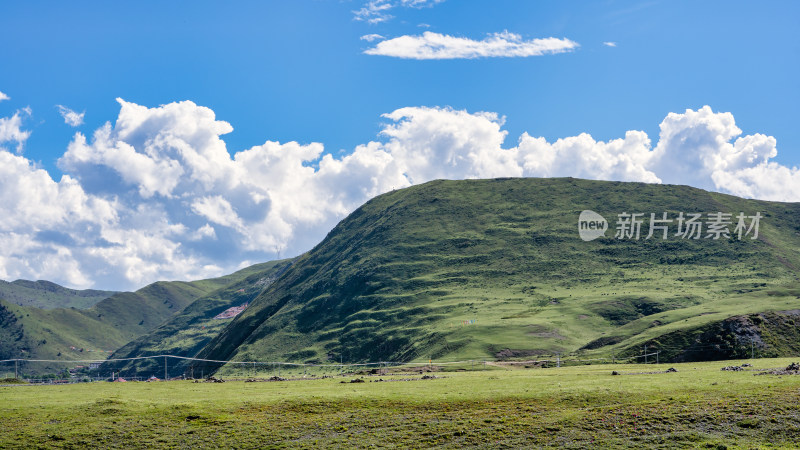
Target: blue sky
(323, 74)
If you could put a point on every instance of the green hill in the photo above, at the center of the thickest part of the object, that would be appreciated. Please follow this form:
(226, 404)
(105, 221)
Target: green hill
(48, 295)
(496, 269)
(93, 333)
(187, 332)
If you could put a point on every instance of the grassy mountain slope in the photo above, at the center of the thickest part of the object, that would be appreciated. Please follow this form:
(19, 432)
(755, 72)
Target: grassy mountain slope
(71, 333)
(12, 336)
(48, 295)
(187, 332)
(402, 277)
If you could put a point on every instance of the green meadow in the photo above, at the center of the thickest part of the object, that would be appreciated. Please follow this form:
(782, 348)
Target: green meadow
(699, 406)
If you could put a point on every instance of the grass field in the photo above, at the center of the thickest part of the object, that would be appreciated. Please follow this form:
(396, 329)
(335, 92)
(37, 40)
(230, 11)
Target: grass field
(570, 407)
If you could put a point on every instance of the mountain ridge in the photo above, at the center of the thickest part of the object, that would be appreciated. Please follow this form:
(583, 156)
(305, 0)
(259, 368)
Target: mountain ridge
(48, 295)
(93, 333)
(185, 333)
(393, 280)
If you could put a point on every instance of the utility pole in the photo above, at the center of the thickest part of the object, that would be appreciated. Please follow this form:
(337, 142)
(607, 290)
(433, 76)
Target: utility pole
(645, 353)
(165, 369)
(657, 356)
(16, 369)
(752, 351)
(558, 359)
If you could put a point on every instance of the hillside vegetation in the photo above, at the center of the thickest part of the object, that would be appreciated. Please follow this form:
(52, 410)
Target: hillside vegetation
(496, 269)
(93, 333)
(185, 333)
(48, 295)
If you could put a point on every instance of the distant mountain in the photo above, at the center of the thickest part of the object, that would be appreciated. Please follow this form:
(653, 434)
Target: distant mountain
(93, 333)
(47, 295)
(185, 333)
(497, 269)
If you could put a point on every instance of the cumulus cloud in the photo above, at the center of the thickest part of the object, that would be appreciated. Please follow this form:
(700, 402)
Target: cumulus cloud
(610, 44)
(218, 210)
(4, 96)
(581, 156)
(11, 130)
(431, 143)
(71, 118)
(157, 194)
(42, 220)
(431, 45)
(698, 148)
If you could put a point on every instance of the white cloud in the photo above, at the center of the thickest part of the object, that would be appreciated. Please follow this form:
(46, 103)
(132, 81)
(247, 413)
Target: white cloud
(43, 219)
(582, 157)
(11, 130)
(204, 232)
(157, 195)
(610, 44)
(419, 3)
(157, 149)
(371, 37)
(432, 45)
(698, 148)
(4, 96)
(71, 117)
(218, 210)
(377, 11)
(431, 143)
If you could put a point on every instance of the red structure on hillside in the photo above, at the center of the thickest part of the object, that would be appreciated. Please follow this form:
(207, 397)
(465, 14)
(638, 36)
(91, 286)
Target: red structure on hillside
(232, 312)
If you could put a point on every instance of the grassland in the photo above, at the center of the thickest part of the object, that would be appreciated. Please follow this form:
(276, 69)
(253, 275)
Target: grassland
(570, 407)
